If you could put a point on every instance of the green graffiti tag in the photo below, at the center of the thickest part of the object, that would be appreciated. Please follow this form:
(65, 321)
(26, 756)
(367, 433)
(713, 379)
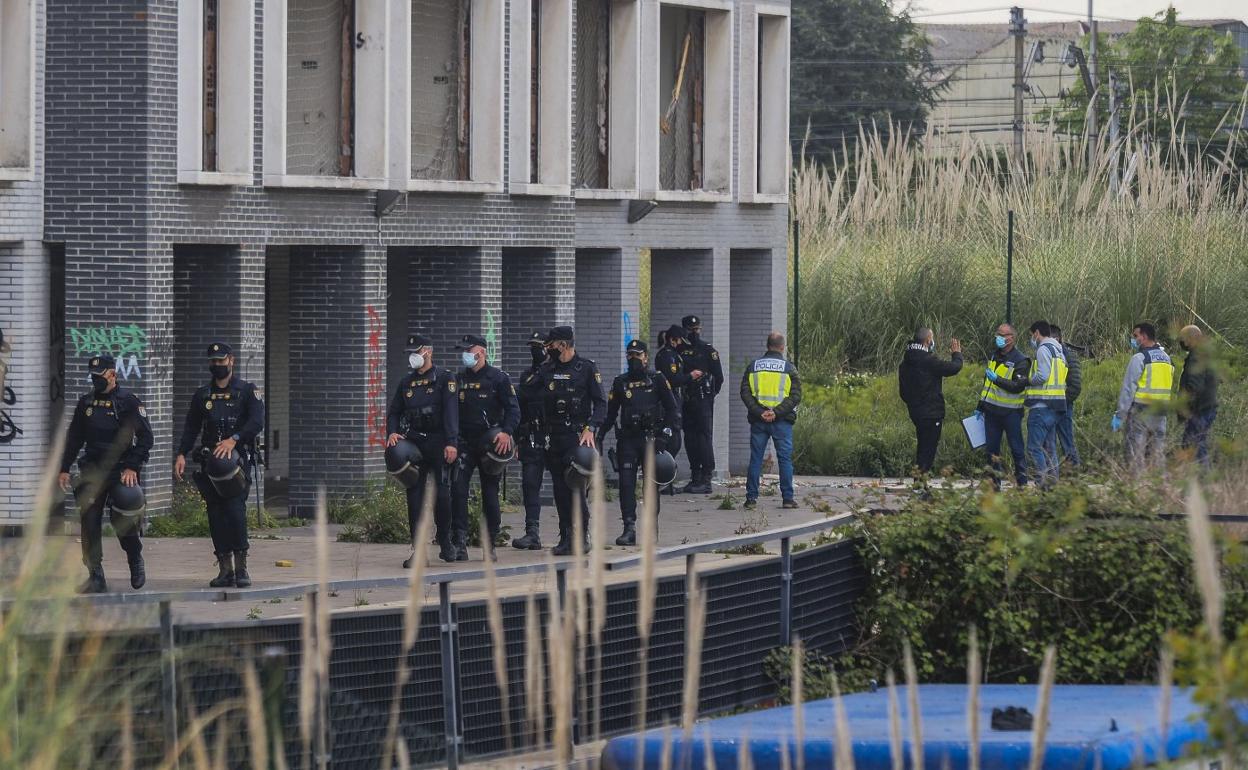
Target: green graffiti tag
(121, 340)
(491, 336)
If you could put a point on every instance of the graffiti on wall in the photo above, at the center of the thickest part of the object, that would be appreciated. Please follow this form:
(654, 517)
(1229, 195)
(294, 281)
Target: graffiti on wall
(8, 430)
(130, 344)
(491, 336)
(376, 422)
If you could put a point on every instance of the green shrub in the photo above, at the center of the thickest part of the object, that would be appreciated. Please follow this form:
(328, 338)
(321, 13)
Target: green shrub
(1092, 570)
(379, 515)
(188, 516)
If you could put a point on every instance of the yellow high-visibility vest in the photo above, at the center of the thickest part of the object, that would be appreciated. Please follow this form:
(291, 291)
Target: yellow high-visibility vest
(1157, 380)
(770, 382)
(994, 394)
(1054, 386)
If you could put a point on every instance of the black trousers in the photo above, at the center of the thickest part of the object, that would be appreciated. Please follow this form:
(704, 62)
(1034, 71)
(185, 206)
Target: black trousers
(560, 445)
(227, 516)
(532, 468)
(698, 420)
(630, 451)
(928, 434)
(469, 462)
(91, 517)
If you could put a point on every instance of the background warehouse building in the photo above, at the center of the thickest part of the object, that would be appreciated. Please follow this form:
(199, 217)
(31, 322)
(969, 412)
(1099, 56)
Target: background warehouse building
(311, 179)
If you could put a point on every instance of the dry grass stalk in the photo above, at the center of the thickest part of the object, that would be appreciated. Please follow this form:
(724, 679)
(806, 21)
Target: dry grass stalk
(534, 674)
(708, 751)
(912, 705)
(221, 744)
(745, 760)
(974, 674)
(694, 632)
(598, 574)
(307, 678)
(844, 758)
(498, 636)
(799, 721)
(646, 594)
(323, 642)
(1205, 561)
(1048, 670)
(256, 728)
(562, 672)
(576, 609)
(127, 733)
(665, 752)
(786, 763)
(895, 746)
(199, 750)
(1165, 679)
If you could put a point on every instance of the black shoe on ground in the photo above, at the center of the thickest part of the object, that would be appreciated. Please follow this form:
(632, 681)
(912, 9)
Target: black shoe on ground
(407, 563)
(563, 547)
(241, 578)
(461, 552)
(789, 504)
(689, 489)
(529, 542)
(225, 573)
(750, 503)
(95, 582)
(138, 573)
(447, 553)
(488, 553)
(629, 537)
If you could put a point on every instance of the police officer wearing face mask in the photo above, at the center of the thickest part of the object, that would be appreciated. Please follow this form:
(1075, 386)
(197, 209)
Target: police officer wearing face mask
(669, 363)
(110, 427)
(226, 415)
(487, 401)
(425, 411)
(573, 408)
(706, 376)
(642, 400)
(531, 444)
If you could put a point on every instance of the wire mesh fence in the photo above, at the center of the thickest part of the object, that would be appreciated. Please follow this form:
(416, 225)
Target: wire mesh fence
(200, 668)
(593, 47)
(314, 62)
(440, 86)
(682, 41)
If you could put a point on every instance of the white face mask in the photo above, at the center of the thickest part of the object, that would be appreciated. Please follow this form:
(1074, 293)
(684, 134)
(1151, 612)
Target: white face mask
(416, 361)
(468, 358)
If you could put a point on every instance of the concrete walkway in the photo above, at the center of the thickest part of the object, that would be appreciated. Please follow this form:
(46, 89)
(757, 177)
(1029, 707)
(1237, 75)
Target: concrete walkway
(188, 564)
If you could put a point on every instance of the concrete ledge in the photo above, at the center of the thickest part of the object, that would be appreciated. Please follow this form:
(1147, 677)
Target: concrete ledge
(448, 186)
(604, 195)
(693, 196)
(17, 175)
(542, 190)
(216, 178)
(324, 182)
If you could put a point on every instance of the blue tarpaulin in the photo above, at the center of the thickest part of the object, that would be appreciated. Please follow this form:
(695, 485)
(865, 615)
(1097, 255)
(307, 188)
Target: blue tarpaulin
(1091, 727)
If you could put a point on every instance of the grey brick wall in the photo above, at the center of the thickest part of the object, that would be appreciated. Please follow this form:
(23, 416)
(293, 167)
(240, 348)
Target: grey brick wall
(128, 231)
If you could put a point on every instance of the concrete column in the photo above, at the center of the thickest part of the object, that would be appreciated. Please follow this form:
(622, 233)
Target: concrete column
(529, 302)
(606, 306)
(754, 316)
(25, 311)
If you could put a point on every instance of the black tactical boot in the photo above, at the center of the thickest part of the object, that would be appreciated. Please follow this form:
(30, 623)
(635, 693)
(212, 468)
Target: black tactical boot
(564, 546)
(241, 578)
(95, 582)
(703, 485)
(447, 551)
(138, 572)
(689, 489)
(531, 541)
(225, 576)
(629, 537)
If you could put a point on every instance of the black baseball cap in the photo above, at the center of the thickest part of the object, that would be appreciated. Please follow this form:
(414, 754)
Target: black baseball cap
(470, 340)
(416, 342)
(676, 332)
(690, 321)
(537, 338)
(636, 346)
(560, 333)
(218, 350)
(101, 363)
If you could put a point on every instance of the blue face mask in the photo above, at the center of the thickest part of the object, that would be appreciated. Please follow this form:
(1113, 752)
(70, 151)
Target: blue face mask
(1135, 344)
(1000, 342)
(468, 358)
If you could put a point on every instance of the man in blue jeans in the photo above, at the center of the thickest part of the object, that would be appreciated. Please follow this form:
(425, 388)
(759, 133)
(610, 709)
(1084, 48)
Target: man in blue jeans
(1046, 403)
(771, 391)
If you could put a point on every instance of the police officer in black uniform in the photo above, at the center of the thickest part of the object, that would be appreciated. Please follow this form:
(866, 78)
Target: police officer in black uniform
(642, 400)
(669, 363)
(110, 427)
(425, 411)
(487, 400)
(531, 441)
(706, 377)
(573, 408)
(226, 415)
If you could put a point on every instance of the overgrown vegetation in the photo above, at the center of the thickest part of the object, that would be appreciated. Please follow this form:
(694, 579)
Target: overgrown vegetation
(1091, 570)
(188, 516)
(379, 515)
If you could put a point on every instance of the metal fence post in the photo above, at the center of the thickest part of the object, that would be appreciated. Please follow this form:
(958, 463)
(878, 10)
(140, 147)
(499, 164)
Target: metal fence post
(786, 591)
(450, 675)
(168, 681)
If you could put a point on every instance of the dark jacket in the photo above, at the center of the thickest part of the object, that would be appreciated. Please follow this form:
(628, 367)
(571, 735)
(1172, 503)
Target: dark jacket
(1198, 384)
(1074, 374)
(920, 381)
(786, 410)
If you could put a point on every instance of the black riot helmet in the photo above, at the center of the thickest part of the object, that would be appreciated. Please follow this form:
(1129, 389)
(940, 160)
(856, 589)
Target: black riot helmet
(129, 502)
(580, 461)
(493, 463)
(403, 462)
(664, 468)
(227, 474)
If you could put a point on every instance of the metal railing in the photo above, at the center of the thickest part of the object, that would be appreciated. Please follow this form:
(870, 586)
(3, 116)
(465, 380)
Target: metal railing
(448, 627)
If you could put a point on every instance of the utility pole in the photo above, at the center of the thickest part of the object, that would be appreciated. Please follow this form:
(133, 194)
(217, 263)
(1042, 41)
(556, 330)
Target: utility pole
(1018, 30)
(1094, 92)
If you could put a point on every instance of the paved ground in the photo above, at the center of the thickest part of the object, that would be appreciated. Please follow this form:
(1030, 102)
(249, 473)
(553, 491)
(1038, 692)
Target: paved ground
(187, 564)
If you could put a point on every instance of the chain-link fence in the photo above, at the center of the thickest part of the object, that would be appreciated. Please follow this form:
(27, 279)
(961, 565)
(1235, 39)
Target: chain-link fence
(440, 84)
(189, 679)
(593, 48)
(682, 40)
(314, 100)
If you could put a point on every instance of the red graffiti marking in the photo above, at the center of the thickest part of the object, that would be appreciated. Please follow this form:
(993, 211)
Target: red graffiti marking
(376, 424)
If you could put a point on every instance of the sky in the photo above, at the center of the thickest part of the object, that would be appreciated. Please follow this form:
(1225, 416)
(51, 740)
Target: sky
(947, 11)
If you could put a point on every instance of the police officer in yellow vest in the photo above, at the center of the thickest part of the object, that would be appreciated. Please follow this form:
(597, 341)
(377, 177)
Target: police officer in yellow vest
(1145, 394)
(1001, 404)
(771, 391)
(1045, 401)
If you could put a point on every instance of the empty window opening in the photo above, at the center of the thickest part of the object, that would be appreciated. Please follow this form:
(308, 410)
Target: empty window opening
(441, 46)
(16, 84)
(682, 45)
(535, 88)
(772, 101)
(593, 51)
(210, 85)
(320, 91)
